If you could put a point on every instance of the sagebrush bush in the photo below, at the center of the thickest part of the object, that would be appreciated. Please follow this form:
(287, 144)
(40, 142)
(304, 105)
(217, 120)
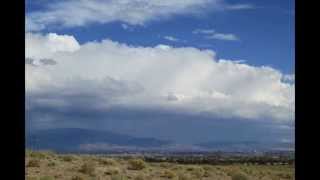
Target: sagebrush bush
(140, 177)
(37, 154)
(51, 164)
(207, 167)
(77, 178)
(165, 165)
(197, 171)
(47, 178)
(67, 158)
(112, 171)
(136, 164)
(183, 176)
(206, 173)
(33, 163)
(107, 161)
(118, 177)
(88, 168)
(168, 174)
(239, 176)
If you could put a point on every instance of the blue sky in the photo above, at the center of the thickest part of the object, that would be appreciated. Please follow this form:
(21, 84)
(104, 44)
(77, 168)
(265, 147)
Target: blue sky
(227, 63)
(266, 32)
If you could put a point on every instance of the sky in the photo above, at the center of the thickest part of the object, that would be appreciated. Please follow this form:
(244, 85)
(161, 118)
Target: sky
(222, 69)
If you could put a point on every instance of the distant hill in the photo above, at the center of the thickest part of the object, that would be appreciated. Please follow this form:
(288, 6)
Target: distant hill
(95, 141)
(247, 146)
(73, 139)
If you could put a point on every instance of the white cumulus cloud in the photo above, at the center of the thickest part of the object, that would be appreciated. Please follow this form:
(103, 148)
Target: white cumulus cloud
(110, 74)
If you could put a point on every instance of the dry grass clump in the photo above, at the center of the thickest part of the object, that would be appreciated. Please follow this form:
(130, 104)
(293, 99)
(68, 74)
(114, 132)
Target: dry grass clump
(184, 176)
(34, 163)
(107, 161)
(112, 171)
(168, 174)
(67, 158)
(118, 177)
(51, 164)
(140, 177)
(239, 176)
(38, 155)
(88, 168)
(197, 171)
(77, 178)
(136, 164)
(47, 178)
(165, 165)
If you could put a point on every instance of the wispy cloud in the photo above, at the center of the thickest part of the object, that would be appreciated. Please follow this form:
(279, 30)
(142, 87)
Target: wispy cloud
(212, 34)
(127, 27)
(240, 6)
(171, 38)
(77, 13)
(221, 36)
(203, 31)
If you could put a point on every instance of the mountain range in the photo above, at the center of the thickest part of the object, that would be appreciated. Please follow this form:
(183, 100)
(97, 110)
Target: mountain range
(84, 140)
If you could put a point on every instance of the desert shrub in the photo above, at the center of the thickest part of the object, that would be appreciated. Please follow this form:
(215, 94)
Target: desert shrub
(51, 164)
(67, 158)
(77, 178)
(168, 174)
(183, 176)
(88, 168)
(206, 173)
(285, 176)
(28, 152)
(107, 161)
(207, 167)
(37, 154)
(136, 164)
(46, 178)
(112, 171)
(165, 165)
(140, 177)
(196, 171)
(239, 176)
(118, 177)
(33, 163)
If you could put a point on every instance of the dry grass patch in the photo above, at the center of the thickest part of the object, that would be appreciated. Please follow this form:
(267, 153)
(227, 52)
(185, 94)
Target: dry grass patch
(136, 164)
(196, 171)
(140, 177)
(112, 171)
(239, 176)
(184, 176)
(33, 163)
(107, 161)
(88, 168)
(67, 158)
(47, 178)
(77, 178)
(168, 174)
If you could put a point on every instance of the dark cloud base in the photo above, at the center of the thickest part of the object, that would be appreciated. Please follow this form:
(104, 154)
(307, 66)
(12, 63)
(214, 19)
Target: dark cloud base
(162, 124)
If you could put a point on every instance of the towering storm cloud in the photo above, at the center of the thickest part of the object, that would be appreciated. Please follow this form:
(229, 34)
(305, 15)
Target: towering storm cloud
(97, 79)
